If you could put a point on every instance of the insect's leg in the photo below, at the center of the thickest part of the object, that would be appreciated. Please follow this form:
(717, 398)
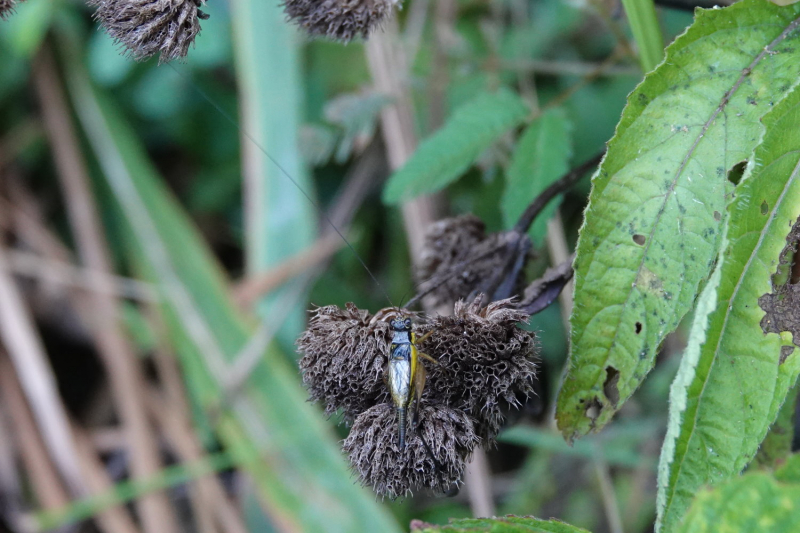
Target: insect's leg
(427, 357)
(424, 337)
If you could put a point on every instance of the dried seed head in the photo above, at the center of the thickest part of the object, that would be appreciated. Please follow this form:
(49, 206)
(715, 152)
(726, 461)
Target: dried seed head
(344, 356)
(149, 27)
(342, 20)
(7, 8)
(376, 457)
(485, 360)
(458, 257)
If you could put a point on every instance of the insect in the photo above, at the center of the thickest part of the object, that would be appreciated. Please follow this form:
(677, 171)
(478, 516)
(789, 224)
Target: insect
(405, 374)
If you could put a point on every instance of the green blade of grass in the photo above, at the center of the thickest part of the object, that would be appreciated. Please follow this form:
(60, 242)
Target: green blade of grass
(644, 25)
(127, 491)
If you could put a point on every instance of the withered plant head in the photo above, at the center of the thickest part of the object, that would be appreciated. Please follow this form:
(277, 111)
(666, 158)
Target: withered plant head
(149, 27)
(342, 20)
(458, 259)
(433, 458)
(484, 361)
(7, 8)
(344, 356)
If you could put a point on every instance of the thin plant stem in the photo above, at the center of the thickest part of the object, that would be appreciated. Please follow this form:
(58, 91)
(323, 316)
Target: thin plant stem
(646, 31)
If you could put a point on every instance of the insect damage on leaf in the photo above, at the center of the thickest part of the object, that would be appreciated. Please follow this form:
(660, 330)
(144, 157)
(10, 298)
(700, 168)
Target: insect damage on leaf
(782, 306)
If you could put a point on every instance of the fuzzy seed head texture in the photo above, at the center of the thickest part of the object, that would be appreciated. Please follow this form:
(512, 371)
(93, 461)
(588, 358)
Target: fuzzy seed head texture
(457, 257)
(149, 27)
(7, 8)
(344, 357)
(484, 362)
(380, 463)
(341, 20)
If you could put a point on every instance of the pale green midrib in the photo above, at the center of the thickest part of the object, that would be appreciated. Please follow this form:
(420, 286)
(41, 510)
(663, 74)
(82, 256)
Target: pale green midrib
(726, 98)
(733, 296)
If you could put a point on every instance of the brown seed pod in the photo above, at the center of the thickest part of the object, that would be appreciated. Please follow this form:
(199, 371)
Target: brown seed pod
(377, 459)
(485, 361)
(344, 356)
(342, 20)
(149, 27)
(458, 258)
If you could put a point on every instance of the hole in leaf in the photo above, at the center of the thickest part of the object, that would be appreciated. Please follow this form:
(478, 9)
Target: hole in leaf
(786, 351)
(736, 172)
(593, 409)
(638, 327)
(610, 385)
(717, 216)
(764, 207)
(782, 305)
(639, 239)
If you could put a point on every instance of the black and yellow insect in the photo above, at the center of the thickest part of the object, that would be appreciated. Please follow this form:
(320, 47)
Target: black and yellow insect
(405, 374)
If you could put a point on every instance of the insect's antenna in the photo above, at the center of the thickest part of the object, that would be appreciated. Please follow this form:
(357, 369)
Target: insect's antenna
(275, 162)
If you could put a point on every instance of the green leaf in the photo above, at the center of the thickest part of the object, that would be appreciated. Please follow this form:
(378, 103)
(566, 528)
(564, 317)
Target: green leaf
(755, 502)
(504, 524)
(442, 158)
(734, 376)
(281, 440)
(541, 157)
(653, 224)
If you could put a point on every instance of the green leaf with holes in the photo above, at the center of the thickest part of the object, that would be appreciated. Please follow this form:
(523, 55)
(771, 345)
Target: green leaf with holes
(657, 207)
(757, 501)
(735, 375)
(503, 524)
(540, 157)
(443, 157)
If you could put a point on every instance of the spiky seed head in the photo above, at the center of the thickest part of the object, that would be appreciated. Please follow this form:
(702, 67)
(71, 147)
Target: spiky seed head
(458, 256)
(7, 8)
(379, 462)
(344, 357)
(341, 20)
(485, 361)
(149, 27)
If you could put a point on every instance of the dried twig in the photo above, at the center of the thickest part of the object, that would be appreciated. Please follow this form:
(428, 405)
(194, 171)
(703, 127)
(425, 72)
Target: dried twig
(42, 475)
(183, 440)
(30, 362)
(118, 355)
(30, 265)
(114, 519)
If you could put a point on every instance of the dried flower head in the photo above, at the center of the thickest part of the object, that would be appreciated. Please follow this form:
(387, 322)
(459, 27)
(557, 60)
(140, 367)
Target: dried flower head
(7, 8)
(344, 357)
(342, 20)
(149, 27)
(485, 361)
(434, 456)
(458, 259)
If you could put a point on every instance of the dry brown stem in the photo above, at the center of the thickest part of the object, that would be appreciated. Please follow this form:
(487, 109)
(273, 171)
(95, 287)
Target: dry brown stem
(102, 312)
